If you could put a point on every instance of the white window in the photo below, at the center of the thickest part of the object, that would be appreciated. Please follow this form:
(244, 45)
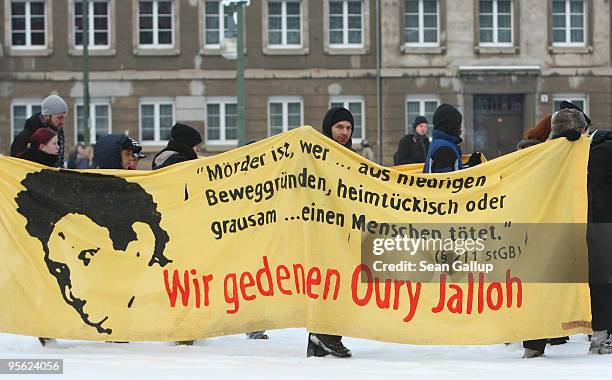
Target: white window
(221, 121)
(356, 105)
(578, 99)
(156, 120)
(284, 23)
(496, 22)
(28, 28)
(218, 24)
(569, 21)
(345, 23)
(22, 109)
(284, 113)
(421, 23)
(155, 24)
(98, 18)
(420, 106)
(99, 121)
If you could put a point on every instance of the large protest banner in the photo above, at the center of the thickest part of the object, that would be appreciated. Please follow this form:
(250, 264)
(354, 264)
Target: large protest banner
(283, 233)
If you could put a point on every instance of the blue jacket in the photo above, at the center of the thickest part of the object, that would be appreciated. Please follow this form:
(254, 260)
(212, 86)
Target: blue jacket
(442, 139)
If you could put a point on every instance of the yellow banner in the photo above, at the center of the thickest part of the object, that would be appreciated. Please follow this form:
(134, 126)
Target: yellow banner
(276, 234)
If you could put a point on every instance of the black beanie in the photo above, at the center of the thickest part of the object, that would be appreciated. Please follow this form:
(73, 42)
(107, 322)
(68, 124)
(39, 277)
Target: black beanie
(419, 120)
(448, 119)
(186, 135)
(334, 116)
(569, 105)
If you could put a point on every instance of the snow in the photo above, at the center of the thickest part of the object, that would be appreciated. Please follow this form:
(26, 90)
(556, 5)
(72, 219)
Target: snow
(283, 356)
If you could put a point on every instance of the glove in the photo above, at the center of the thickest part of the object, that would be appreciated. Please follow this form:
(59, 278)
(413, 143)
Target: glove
(475, 159)
(570, 134)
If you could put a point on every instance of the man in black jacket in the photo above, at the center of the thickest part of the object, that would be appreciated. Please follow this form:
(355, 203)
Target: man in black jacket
(182, 146)
(413, 148)
(52, 115)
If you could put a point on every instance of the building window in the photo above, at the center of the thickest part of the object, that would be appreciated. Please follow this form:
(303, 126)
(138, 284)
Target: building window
(155, 24)
(569, 20)
(495, 22)
(284, 24)
(284, 113)
(22, 110)
(221, 121)
(356, 105)
(420, 106)
(218, 24)
(98, 14)
(421, 22)
(100, 121)
(580, 100)
(28, 24)
(156, 120)
(345, 23)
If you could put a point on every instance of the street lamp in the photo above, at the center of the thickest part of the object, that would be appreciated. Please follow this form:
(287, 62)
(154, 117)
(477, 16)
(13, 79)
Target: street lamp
(227, 51)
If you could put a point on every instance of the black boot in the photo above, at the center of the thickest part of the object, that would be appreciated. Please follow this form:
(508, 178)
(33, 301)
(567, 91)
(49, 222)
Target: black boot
(184, 342)
(558, 341)
(314, 350)
(332, 344)
(44, 341)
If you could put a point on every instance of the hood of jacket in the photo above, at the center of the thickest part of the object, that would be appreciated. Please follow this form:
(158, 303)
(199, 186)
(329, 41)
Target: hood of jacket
(107, 151)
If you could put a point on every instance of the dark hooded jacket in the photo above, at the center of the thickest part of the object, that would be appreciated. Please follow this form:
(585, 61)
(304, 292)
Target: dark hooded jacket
(174, 153)
(20, 144)
(411, 149)
(331, 117)
(38, 156)
(444, 154)
(107, 151)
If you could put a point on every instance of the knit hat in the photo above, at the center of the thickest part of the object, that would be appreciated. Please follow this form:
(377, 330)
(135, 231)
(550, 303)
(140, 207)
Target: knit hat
(52, 105)
(41, 136)
(334, 116)
(132, 145)
(569, 105)
(419, 120)
(448, 119)
(186, 135)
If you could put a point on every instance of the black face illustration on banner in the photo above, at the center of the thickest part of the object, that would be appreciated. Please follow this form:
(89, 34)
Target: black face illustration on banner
(107, 207)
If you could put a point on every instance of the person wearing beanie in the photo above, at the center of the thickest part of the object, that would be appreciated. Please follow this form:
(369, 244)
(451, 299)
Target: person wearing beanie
(413, 147)
(444, 154)
(183, 146)
(338, 125)
(117, 151)
(52, 115)
(43, 148)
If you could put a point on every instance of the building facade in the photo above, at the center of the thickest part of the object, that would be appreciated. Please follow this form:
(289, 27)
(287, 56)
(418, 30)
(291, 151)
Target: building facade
(504, 63)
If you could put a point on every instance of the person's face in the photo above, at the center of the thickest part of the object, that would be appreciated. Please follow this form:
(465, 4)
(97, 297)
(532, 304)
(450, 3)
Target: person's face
(421, 129)
(128, 161)
(50, 147)
(98, 274)
(80, 150)
(56, 120)
(341, 131)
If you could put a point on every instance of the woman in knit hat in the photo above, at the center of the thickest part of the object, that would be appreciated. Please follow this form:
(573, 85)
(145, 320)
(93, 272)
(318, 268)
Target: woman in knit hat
(43, 147)
(413, 148)
(183, 146)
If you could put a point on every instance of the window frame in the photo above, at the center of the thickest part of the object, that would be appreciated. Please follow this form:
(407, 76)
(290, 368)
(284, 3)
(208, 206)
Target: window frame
(92, 110)
(93, 50)
(28, 50)
(495, 27)
(156, 102)
(20, 102)
(347, 49)
(284, 100)
(224, 101)
(421, 28)
(303, 6)
(421, 99)
(345, 99)
(568, 27)
(173, 49)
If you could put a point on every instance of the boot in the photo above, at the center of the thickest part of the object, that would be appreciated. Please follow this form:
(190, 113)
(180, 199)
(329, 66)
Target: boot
(44, 341)
(184, 342)
(601, 344)
(257, 335)
(531, 353)
(332, 344)
(314, 350)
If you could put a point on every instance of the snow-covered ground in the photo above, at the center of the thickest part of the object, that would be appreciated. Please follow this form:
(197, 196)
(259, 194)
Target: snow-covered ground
(283, 357)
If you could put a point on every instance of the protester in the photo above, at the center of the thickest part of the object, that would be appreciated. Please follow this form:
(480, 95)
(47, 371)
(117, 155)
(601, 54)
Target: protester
(338, 126)
(413, 148)
(43, 147)
(444, 154)
(366, 150)
(52, 115)
(117, 151)
(571, 123)
(79, 159)
(183, 146)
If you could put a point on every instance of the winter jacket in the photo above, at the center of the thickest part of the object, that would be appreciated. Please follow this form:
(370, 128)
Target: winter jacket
(107, 152)
(411, 150)
(38, 156)
(20, 144)
(174, 153)
(444, 154)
